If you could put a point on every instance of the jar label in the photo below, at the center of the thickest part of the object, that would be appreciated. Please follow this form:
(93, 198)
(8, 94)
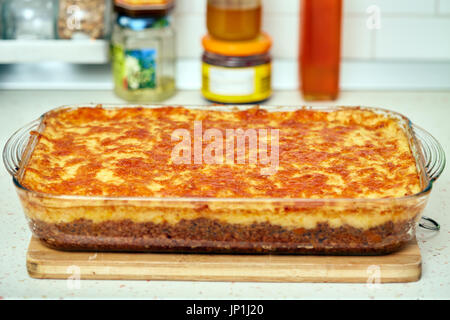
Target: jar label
(135, 69)
(236, 85)
(232, 82)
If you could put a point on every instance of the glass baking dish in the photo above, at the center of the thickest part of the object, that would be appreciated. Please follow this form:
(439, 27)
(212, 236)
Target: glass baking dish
(201, 228)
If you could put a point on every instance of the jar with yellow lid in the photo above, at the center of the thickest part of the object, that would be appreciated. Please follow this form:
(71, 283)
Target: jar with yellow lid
(236, 71)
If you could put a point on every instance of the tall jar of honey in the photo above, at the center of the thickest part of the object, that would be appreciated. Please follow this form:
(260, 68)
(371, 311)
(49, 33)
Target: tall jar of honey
(320, 48)
(234, 20)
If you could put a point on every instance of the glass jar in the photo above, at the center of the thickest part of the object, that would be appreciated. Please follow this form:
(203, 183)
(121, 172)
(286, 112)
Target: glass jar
(84, 19)
(234, 20)
(29, 19)
(143, 58)
(236, 72)
(320, 49)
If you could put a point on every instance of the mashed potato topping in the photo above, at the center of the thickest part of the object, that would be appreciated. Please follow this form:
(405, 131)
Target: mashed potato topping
(347, 153)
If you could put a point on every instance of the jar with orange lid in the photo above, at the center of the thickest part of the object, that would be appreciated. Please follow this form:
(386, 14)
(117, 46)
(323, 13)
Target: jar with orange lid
(234, 20)
(236, 71)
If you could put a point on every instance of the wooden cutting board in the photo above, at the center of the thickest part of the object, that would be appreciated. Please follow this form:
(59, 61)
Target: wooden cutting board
(46, 263)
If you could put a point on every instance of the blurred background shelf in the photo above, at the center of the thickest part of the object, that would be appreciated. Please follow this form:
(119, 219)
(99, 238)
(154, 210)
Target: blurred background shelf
(71, 51)
(356, 75)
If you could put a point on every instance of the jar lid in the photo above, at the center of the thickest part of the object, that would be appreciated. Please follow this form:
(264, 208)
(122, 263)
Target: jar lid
(259, 45)
(144, 4)
(139, 8)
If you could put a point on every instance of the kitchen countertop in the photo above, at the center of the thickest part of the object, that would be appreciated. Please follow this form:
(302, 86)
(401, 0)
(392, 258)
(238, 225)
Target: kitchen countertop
(430, 110)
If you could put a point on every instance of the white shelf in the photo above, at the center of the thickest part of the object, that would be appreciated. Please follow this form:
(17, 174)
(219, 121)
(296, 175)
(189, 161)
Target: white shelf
(72, 51)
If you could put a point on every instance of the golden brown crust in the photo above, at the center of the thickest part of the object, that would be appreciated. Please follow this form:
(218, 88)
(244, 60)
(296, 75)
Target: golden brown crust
(350, 153)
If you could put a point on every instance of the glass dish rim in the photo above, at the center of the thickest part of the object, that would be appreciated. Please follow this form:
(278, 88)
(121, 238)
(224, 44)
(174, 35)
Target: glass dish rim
(410, 126)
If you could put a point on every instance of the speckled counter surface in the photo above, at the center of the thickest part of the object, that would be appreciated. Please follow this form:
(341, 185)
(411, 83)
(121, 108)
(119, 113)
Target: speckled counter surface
(430, 110)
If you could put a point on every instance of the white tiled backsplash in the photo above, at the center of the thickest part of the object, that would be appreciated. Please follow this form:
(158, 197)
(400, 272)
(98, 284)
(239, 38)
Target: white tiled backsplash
(409, 51)
(410, 30)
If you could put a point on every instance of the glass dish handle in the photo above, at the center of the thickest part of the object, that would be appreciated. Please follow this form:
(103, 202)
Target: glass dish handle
(432, 151)
(15, 146)
(434, 157)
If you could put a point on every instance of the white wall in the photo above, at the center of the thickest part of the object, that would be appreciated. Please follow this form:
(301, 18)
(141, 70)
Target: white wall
(411, 30)
(411, 50)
